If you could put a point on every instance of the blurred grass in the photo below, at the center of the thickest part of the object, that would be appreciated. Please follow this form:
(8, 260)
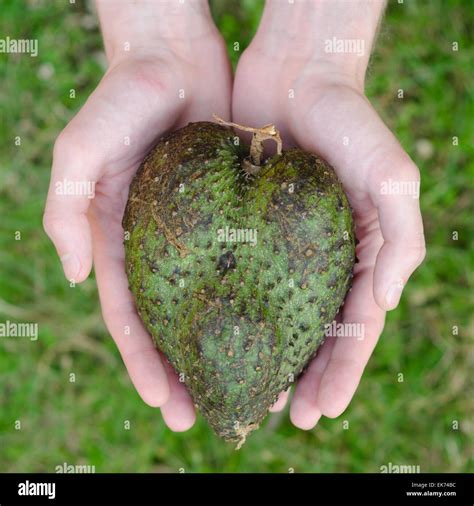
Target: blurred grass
(83, 422)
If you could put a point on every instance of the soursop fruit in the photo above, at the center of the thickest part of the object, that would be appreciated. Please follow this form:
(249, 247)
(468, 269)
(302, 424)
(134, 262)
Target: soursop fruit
(236, 272)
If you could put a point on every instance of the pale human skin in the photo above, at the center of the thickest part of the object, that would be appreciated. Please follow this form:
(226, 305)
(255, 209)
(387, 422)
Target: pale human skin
(175, 47)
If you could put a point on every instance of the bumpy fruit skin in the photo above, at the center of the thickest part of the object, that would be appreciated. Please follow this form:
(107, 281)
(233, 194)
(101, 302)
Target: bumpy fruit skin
(238, 321)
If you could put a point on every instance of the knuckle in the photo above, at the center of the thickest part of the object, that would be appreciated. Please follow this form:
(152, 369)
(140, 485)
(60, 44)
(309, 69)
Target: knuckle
(74, 147)
(52, 225)
(416, 254)
(409, 172)
(64, 143)
(421, 254)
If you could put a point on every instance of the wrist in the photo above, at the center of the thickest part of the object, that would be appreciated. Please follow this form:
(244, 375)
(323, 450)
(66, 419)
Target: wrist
(335, 35)
(145, 27)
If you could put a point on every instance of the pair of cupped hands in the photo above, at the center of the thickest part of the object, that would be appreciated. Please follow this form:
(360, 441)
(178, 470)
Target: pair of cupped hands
(315, 103)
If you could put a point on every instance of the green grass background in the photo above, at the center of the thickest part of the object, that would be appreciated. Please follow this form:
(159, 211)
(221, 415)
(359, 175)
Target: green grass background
(410, 422)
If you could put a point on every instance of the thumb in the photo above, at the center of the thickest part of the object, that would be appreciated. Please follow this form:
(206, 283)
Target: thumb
(373, 164)
(134, 95)
(71, 189)
(395, 193)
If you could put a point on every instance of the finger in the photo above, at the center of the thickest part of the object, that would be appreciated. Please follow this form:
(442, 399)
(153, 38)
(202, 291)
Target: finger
(141, 358)
(395, 193)
(304, 410)
(178, 412)
(363, 322)
(281, 402)
(71, 189)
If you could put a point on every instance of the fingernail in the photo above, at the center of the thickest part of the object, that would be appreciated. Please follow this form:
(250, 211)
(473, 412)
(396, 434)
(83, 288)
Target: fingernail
(304, 414)
(71, 265)
(393, 294)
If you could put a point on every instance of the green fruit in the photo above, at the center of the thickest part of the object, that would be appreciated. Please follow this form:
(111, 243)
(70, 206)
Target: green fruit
(236, 276)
